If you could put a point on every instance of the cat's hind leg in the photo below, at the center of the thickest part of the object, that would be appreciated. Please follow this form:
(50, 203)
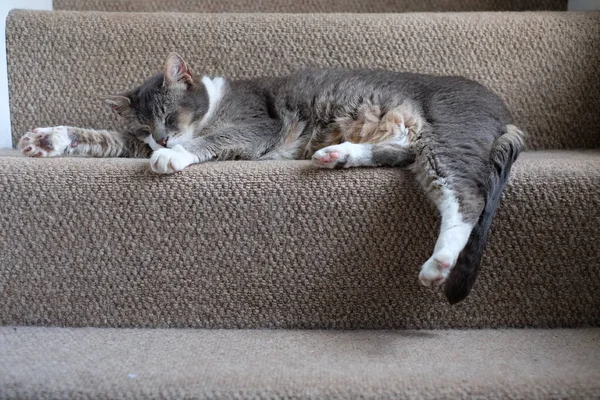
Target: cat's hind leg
(460, 202)
(349, 155)
(373, 139)
(455, 229)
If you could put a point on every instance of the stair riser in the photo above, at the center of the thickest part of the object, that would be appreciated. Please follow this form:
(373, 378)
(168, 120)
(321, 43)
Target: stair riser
(61, 62)
(267, 244)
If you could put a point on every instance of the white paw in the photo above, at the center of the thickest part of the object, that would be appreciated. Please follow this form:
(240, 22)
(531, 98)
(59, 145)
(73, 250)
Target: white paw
(45, 142)
(345, 155)
(168, 161)
(435, 270)
(330, 157)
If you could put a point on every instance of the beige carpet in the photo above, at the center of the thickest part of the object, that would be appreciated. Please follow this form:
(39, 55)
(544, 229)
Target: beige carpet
(545, 65)
(105, 242)
(176, 364)
(308, 6)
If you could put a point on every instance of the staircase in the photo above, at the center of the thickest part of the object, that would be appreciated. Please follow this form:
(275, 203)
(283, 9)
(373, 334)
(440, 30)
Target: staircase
(276, 280)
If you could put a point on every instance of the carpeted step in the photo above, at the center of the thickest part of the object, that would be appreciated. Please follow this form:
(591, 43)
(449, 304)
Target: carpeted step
(105, 242)
(227, 364)
(308, 6)
(545, 65)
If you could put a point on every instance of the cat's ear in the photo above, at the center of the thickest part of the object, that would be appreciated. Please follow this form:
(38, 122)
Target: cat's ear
(176, 70)
(119, 104)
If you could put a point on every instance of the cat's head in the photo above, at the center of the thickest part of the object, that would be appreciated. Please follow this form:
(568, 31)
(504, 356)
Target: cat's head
(163, 109)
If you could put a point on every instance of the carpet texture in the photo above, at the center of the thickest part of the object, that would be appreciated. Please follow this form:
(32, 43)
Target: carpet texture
(308, 6)
(105, 242)
(238, 364)
(545, 65)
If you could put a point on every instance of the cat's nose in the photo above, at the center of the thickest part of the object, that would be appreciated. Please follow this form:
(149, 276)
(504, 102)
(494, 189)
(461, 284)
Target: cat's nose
(163, 142)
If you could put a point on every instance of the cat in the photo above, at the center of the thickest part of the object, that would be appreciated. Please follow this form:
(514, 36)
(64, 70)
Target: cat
(455, 135)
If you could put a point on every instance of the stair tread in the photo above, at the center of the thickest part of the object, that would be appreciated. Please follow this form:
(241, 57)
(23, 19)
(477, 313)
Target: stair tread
(545, 162)
(129, 363)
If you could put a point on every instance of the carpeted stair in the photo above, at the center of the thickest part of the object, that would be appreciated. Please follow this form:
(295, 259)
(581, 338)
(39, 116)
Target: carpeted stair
(93, 250)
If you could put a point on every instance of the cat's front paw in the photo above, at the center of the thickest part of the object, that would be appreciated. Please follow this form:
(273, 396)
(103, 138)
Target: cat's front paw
(45, 142)
(435, 270)
(169, 161)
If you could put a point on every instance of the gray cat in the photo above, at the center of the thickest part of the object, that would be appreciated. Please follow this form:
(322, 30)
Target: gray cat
(454, 135)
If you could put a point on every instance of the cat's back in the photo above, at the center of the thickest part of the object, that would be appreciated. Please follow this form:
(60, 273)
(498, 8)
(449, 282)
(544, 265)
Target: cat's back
(359, 80)
(437, 95)
(371, 78)
(440, 97)
(362, 82)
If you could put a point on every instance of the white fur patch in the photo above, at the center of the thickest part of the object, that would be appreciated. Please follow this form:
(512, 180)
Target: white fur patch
(401, 133)
(149, 140)
(346, 154)
(168, 161)
(215, 88)
(454, 234)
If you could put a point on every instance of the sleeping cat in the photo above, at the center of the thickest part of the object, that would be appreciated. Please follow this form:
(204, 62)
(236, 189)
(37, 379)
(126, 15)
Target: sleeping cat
(454, 135)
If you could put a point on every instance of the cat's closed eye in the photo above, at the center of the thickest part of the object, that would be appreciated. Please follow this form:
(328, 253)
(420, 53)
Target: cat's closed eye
(171, 120)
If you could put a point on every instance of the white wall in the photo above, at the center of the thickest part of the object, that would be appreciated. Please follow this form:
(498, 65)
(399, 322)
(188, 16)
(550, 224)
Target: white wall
(5, 7)
(582, 5)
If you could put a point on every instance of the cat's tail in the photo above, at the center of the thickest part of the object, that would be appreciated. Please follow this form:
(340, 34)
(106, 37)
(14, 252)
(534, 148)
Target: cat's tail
(504, 152)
